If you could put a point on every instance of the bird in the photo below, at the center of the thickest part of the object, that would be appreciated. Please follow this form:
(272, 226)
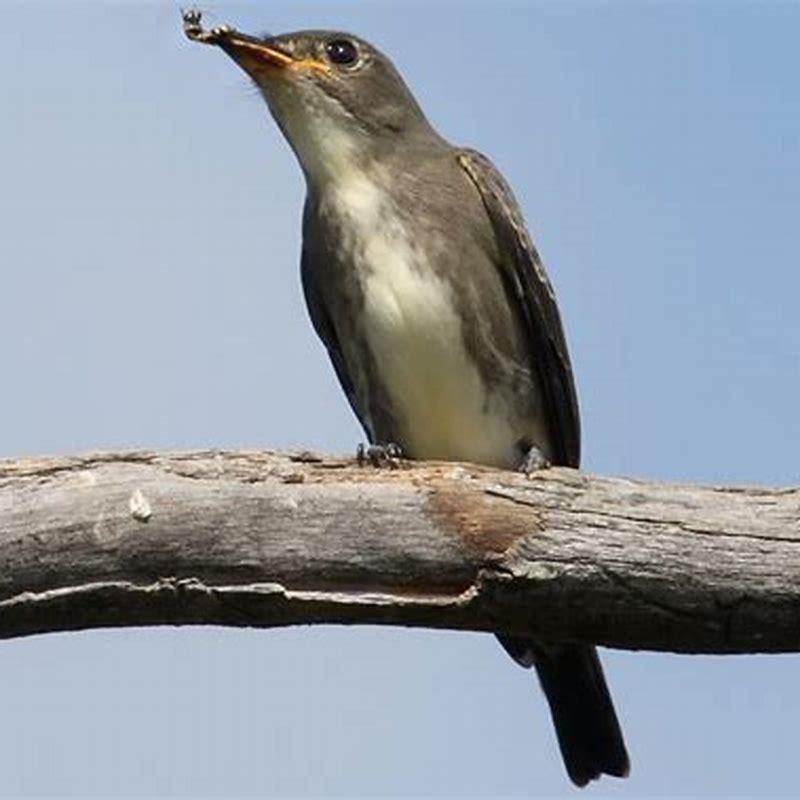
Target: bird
(424, 285)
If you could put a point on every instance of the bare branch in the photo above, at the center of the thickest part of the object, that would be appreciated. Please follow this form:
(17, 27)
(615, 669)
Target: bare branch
(266, 539)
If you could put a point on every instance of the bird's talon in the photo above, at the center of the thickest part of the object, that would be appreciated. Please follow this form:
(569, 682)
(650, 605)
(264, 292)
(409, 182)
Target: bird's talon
(379, 455)
(393, 450)
(533, 461)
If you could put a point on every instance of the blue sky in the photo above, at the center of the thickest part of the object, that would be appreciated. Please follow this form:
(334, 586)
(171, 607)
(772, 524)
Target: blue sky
(149, 239)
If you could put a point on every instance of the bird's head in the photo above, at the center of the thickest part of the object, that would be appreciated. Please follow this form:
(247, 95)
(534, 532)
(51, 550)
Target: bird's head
(337, 99)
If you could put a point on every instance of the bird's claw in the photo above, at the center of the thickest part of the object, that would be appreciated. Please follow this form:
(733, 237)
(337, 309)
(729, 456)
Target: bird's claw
(379, 455)
(533, 461)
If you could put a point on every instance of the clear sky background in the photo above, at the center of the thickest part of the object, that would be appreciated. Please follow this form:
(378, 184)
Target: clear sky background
(150, 297)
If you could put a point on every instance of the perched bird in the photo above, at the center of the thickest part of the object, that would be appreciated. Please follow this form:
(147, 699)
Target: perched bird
(429, 295)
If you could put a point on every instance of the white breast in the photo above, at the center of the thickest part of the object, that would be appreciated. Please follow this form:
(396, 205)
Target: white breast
(414, 331)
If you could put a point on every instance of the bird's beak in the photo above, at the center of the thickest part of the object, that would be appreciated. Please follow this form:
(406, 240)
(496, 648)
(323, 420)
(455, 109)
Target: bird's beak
(255, 56)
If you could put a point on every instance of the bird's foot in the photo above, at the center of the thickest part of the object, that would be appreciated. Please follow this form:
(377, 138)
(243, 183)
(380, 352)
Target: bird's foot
(533, 461)
(379, 455)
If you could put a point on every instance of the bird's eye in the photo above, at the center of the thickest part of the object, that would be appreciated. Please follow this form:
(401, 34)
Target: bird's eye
(342, 52)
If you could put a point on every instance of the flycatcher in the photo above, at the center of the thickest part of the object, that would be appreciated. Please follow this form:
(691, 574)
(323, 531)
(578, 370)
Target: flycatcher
(424, 285)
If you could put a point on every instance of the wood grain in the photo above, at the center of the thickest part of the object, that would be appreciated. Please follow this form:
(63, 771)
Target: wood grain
(265, 539)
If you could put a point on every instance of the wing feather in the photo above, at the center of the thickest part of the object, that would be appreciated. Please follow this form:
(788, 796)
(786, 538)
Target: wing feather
(327, 333)
(527, 280)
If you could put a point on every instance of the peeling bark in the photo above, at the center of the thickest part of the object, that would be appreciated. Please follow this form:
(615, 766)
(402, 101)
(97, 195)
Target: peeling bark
(266, 539)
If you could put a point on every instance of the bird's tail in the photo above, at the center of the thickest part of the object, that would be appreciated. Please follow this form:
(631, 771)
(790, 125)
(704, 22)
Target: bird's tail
(586, 724)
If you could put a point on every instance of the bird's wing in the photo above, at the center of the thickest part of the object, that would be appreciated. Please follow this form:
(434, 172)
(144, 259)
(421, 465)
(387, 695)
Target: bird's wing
(527, 282)
(571, 676)
(326, 331)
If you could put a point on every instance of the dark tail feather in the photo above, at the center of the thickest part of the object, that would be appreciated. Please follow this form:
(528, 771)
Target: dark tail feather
(586, 724)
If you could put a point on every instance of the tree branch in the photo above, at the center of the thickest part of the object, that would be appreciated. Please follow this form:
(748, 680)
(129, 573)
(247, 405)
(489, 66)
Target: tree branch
(266, 539)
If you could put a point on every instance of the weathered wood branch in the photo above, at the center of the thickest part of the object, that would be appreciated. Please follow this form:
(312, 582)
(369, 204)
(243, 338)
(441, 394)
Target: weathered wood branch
(267, 539)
